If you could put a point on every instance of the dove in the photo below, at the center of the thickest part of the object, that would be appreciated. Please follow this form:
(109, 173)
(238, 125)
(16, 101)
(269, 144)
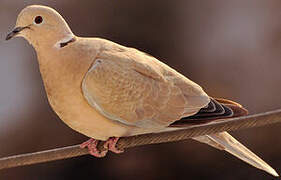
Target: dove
(106, 91)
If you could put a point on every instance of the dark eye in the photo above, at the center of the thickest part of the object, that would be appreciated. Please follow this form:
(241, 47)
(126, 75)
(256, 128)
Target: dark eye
(38, 19)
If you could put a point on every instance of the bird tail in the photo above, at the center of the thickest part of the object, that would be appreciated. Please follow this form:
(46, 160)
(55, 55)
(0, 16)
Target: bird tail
(225, 141)
(218, 109)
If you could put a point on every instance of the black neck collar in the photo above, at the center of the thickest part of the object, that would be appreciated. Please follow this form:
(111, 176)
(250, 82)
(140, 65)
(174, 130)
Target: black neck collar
(63, 44)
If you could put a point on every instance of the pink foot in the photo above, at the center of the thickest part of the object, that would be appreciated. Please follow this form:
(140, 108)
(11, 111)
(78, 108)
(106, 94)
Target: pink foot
(111, 144)
(91, 144)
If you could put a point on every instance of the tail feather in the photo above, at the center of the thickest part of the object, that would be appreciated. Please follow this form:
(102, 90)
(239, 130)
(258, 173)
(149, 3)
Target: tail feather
(225, 141)
(227, 101)
(216, 109)
(221, 109)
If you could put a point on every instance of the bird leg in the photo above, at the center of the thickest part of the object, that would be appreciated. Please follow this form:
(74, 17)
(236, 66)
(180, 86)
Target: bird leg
(110, 144)
(92, 144)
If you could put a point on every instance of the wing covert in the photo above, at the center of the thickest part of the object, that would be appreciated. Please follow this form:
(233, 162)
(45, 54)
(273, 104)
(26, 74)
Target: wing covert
(136, 92)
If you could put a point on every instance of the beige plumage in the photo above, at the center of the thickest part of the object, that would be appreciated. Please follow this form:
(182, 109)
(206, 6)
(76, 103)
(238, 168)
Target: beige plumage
(102, 89)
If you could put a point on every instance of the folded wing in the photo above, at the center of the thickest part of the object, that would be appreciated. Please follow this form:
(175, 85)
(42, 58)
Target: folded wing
(135, 89)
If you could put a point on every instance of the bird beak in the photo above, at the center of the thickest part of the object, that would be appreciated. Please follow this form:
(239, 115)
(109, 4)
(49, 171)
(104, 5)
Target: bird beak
(16, 31)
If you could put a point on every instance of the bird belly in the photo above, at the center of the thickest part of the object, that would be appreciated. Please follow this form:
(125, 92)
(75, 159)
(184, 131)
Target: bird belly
(74, 110)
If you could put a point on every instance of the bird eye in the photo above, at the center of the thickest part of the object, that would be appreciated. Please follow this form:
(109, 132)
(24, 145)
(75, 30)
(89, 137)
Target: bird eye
(38, 19)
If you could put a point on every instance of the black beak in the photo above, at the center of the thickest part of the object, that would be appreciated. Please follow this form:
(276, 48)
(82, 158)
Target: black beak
(15, 32)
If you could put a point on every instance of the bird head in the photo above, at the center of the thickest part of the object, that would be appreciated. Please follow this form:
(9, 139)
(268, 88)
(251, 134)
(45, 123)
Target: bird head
(40, 25)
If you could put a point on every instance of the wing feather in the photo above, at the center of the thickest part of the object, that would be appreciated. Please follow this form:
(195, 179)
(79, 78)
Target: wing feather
(136, 89)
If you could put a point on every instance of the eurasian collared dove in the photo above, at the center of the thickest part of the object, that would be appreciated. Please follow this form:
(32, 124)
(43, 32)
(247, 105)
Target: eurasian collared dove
(105, 90)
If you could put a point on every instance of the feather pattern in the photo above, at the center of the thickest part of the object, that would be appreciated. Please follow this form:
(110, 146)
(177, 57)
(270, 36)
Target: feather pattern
(138, 90)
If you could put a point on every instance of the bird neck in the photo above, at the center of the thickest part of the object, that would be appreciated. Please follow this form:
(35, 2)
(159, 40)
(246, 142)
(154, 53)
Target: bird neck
(52, 42)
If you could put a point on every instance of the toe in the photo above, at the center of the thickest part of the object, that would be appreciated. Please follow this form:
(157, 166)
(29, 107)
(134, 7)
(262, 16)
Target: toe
(112, 145)
(97, 153)
(87, 143)
(92, 144)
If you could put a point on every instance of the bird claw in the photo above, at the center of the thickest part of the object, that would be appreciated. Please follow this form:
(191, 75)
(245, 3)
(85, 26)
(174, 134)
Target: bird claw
(92, 144)
(110, 144)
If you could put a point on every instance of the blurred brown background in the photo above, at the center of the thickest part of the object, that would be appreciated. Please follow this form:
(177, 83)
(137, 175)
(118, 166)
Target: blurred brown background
(231, 48)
